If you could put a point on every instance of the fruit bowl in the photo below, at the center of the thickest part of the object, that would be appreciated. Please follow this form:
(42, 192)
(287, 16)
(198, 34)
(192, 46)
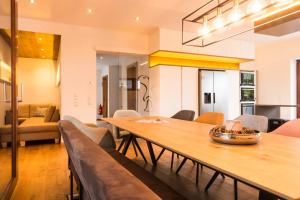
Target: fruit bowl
(244, 137)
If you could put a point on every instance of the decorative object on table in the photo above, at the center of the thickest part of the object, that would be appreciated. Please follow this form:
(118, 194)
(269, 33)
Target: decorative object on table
(218, 20)
(152, 121)
(234, 133)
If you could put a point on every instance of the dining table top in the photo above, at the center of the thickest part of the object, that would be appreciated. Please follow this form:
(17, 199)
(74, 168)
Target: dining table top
(272, 165)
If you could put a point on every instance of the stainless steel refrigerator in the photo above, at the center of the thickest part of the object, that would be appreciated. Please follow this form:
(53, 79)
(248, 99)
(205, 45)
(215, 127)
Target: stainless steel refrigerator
(213, 86)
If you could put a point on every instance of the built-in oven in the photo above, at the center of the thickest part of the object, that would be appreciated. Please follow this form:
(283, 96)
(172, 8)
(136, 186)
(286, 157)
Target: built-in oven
(248, 78)
(247, 108)
(247, 94)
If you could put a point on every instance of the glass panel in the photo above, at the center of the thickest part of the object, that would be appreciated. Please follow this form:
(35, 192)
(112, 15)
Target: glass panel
(122, 83)
(5, 96)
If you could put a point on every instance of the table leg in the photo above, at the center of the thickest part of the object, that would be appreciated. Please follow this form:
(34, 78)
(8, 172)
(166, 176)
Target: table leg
(172, 160)
(139, 148)
(181, 164)
(151, 152)
(212, 180)
(129, 140)
(235, 189)
(161, 153)
(71, 185)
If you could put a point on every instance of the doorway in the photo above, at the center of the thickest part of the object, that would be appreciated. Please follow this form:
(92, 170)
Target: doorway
(105, 95)
(298, 88)
(131, 87)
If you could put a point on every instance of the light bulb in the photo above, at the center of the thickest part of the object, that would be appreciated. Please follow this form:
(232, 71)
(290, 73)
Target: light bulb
(255, 6)
(219, 23)
(236, 13)
(205, 28)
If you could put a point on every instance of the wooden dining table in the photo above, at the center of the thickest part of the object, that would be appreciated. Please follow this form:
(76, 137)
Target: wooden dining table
(272, 165)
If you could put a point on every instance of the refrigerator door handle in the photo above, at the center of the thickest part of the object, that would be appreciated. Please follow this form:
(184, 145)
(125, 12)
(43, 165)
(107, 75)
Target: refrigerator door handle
(214, 97)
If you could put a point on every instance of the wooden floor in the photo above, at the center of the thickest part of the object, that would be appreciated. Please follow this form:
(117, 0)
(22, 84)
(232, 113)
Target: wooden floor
(43, 175)
(5, 168)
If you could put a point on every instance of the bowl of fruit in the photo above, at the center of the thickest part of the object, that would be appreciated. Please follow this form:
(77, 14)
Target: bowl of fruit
(234, 133)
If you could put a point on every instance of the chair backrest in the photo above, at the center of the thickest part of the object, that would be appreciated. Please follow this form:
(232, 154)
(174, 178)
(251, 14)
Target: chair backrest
(123, 114)
(290, 128)
(126, 113)
(100, 135)
(256, 122)
(184, 115)
(214, 118)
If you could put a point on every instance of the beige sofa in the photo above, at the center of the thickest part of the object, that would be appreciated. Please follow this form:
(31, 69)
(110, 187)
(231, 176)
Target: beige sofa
(32, 125)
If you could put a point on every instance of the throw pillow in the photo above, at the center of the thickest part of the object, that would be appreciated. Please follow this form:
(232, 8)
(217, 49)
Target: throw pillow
(49, 113)
(55, 116)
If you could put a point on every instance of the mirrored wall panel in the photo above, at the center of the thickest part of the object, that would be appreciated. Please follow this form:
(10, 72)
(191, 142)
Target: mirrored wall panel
(122, 83)
(5, 97)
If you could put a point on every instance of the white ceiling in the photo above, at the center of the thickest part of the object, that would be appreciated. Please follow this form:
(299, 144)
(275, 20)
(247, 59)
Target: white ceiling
(120, 14)
(112, 14)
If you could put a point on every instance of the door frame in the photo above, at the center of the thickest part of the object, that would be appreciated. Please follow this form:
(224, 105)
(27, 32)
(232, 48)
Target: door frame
(107, 94)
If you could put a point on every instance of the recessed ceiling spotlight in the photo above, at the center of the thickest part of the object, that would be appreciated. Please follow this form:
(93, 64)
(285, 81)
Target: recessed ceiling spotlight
(90, 10)
(137, 18)
(40, 39)
(32, 1)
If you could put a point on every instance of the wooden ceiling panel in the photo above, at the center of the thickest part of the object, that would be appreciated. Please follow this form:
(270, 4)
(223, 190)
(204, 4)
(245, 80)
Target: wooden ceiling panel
(38, 45)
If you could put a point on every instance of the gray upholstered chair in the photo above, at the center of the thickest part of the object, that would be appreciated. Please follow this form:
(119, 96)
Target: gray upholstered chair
(187, 115)
(256, 122)
(124, 135)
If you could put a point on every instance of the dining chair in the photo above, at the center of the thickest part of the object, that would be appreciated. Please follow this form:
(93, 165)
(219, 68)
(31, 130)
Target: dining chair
(256, 122)
(187, 115)
(290, 129)
(125, 135)
(214, 118)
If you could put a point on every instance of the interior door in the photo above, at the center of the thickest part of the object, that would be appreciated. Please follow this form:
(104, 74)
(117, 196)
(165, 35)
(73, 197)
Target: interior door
(220, 93)
(206, 91)
(105, 95)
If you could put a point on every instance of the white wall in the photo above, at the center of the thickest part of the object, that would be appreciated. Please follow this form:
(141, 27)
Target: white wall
(190, 89)
(38, 77)
(173, 89)
(5, 55)
(78, 60)
(273, 65)
(171, 40)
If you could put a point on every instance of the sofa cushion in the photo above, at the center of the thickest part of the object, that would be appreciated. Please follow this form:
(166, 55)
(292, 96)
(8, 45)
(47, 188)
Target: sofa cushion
(49, 113)
(37, 124)
(56, 116)
(38, 110)
(23, 111)
(5, 129)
